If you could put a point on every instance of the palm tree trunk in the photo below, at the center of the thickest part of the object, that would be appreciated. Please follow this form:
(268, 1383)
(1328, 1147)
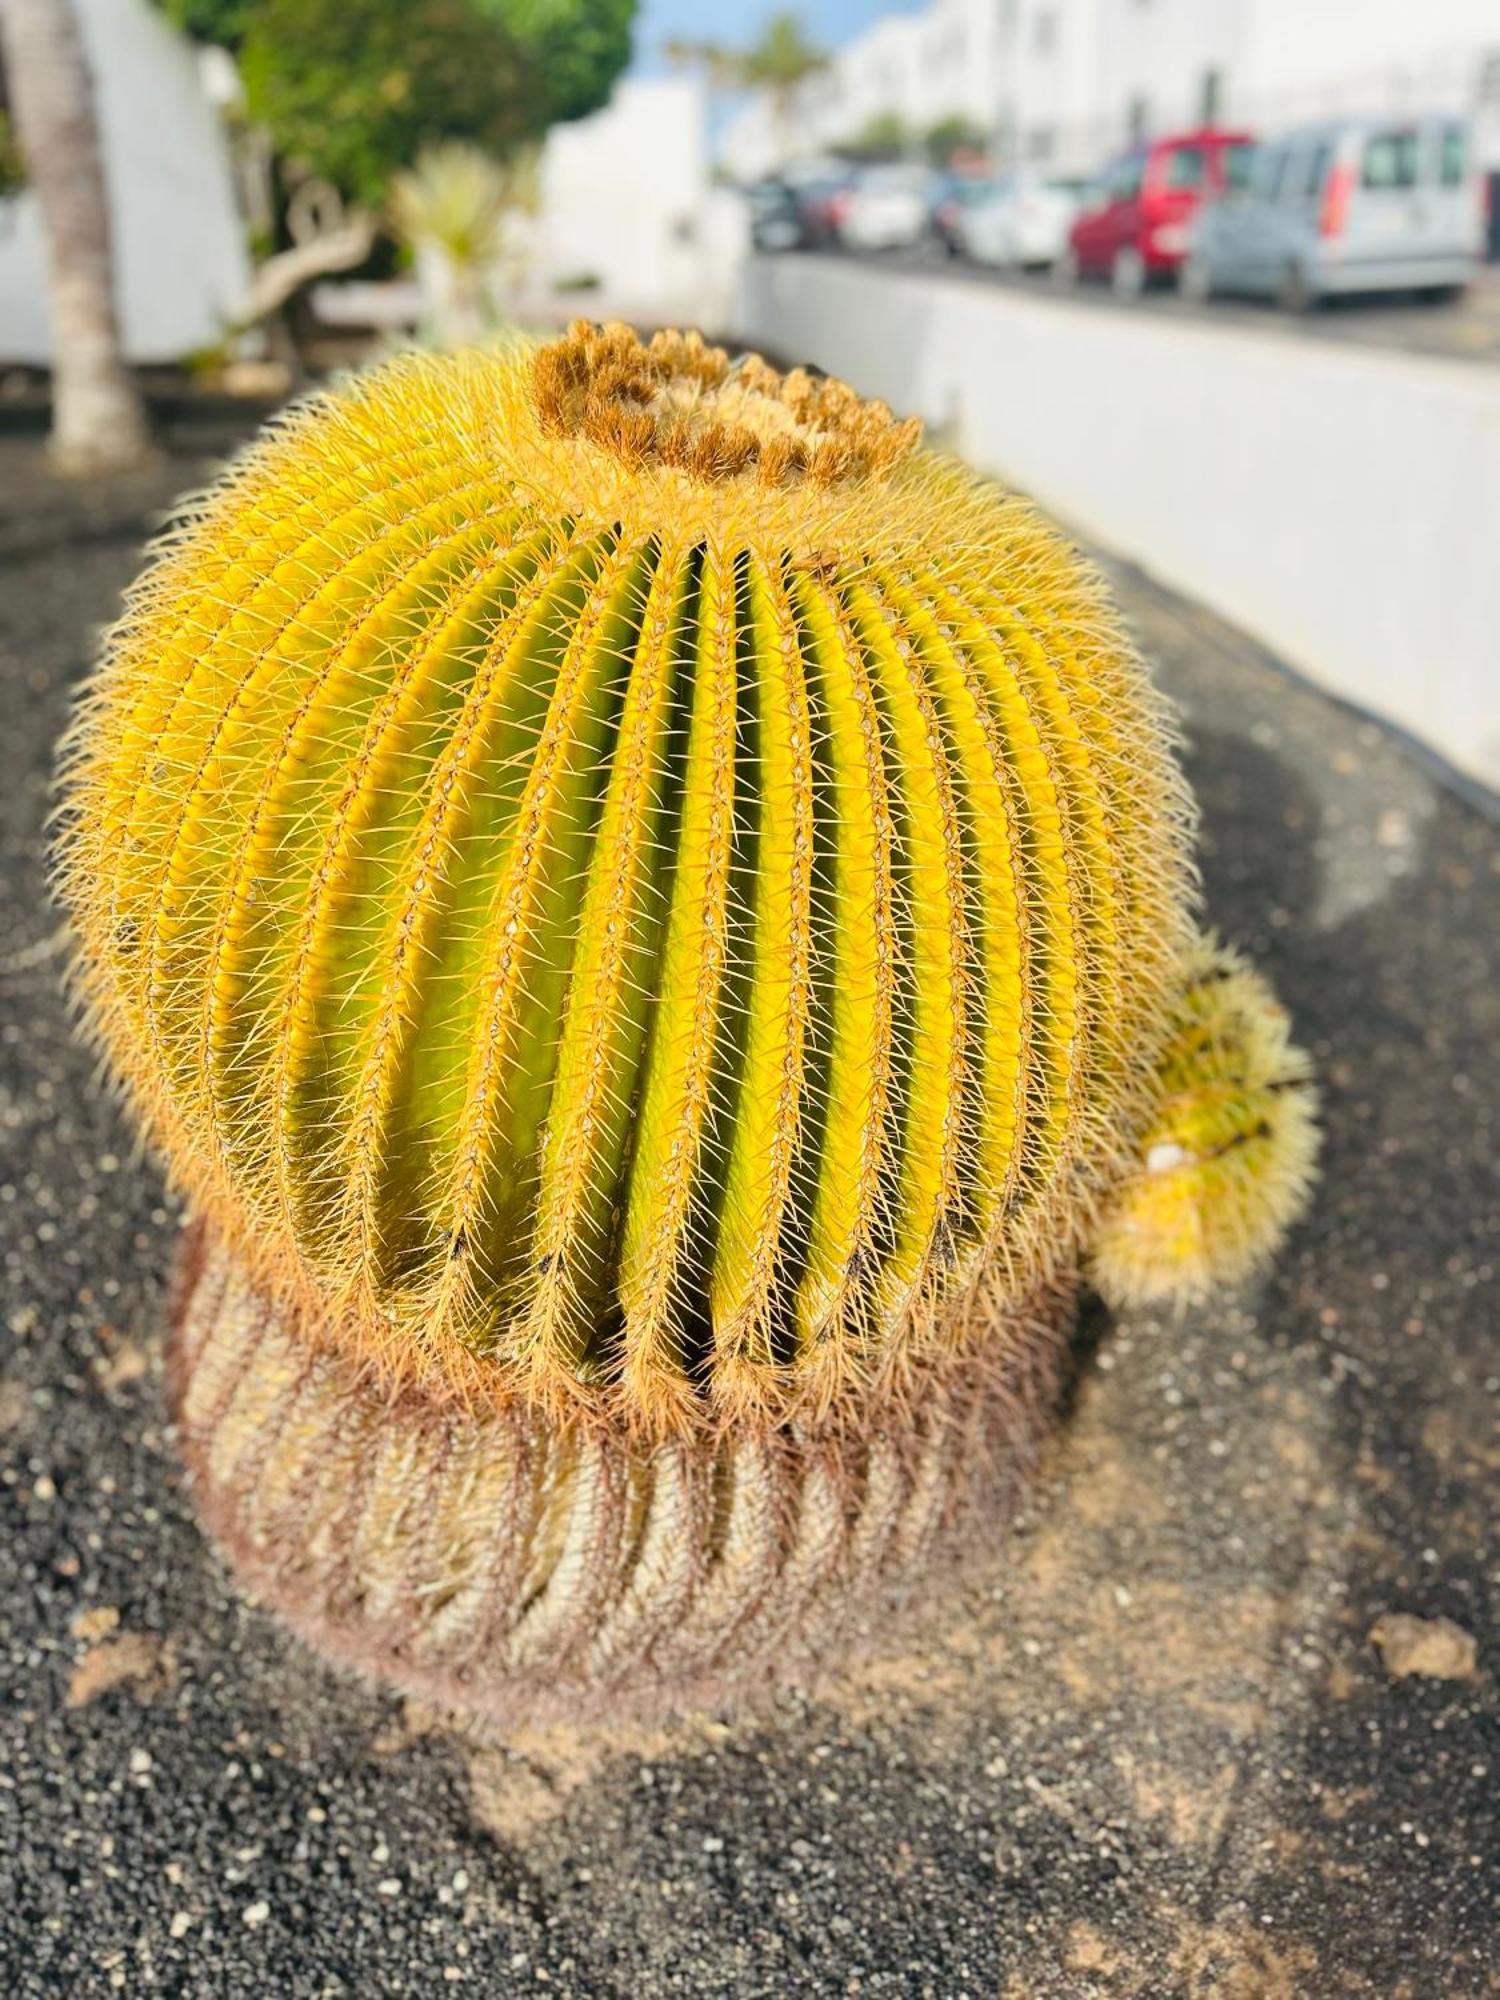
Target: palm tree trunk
(98, 420)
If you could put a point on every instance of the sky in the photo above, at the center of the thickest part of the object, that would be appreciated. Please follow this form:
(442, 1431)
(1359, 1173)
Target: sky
(735, 22)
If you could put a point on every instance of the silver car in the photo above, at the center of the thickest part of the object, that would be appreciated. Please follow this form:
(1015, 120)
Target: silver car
(1352, 205)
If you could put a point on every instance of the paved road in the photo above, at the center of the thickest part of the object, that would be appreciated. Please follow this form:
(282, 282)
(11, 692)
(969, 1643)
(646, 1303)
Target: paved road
(1466, 329)
(1150, 1755)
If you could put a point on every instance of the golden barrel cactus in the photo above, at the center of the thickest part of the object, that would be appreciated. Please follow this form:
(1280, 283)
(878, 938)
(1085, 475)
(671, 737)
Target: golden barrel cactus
(644, 911)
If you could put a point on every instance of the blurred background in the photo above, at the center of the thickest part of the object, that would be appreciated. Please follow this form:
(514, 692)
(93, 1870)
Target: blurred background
(1215, 279)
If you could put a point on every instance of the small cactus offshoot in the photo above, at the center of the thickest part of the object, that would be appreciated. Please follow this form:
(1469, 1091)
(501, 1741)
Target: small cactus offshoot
(642, 909)
(1225, 1161)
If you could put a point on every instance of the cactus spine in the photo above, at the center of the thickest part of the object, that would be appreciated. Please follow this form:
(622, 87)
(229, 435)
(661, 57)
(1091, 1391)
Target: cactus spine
(636, 902)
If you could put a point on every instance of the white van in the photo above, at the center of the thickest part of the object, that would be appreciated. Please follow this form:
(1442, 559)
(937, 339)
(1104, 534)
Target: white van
(1351, 205)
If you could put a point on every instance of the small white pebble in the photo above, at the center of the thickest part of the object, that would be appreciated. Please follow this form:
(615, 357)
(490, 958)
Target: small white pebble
(255, 1913)
(181, 1924)
(140, 1761)
(389, 1887)
(461, 1880)
(44, 1489)
(713, 1845)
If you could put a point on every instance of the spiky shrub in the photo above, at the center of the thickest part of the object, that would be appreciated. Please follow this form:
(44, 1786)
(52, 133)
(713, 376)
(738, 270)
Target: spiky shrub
(641, 909)
(462, 214)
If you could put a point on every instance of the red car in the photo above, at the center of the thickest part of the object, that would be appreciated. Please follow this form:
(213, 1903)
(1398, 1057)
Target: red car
(1138, 222)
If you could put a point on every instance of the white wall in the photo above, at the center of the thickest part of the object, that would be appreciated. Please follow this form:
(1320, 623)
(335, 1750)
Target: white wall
(181, 265)
(1342, 504)
(1293, 43)
(626, 199)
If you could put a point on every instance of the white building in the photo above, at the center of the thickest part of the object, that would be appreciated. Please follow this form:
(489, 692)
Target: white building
(942, 60)
(182, 269)
(630, 223)
(1070, 81)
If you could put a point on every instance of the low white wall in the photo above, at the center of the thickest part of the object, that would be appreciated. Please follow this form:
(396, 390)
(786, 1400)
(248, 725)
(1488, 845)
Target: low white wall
(1341, 503)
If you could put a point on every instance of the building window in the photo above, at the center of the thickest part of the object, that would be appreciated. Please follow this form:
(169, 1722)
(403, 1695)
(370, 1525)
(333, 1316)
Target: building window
(1039, 143)
(1137, 118)
(1211, 95)
(1044, 32)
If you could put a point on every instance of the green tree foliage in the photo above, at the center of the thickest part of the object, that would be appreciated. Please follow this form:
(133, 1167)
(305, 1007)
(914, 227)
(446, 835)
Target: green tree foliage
(12, 166)
(576, 48)
(950, 135)
(223, 21)
(886, 136)
(354, 88)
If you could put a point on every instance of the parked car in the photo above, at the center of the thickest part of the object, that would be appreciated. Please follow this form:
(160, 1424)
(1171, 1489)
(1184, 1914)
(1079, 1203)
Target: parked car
(953, 199)
(1137, 226)
(887, 209)
(775, 222)
(1022, 221)
(821, 207)
(1351, 205)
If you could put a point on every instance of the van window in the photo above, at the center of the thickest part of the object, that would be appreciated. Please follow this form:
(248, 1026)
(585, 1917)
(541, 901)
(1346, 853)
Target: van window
(1238, 163)
(1455, 156)
(1293, 165)
(1391, 160)
(1270, 171)
(1317, 169)
(1186, 167)
(1125, 181)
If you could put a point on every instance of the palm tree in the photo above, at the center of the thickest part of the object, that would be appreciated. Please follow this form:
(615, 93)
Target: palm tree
(778, 63)
(98, 419)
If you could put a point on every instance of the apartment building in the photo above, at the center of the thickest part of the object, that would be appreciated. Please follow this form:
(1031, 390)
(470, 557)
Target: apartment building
(1066, 82)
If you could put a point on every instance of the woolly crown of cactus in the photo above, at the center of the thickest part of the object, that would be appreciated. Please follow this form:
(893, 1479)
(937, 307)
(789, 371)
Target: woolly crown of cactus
(619, 880)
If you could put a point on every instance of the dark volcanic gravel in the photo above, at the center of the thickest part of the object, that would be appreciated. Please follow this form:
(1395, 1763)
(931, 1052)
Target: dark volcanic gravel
(1151, 1752)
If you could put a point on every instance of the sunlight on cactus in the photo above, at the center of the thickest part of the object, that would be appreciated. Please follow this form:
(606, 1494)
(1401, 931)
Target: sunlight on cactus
(643, 910)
